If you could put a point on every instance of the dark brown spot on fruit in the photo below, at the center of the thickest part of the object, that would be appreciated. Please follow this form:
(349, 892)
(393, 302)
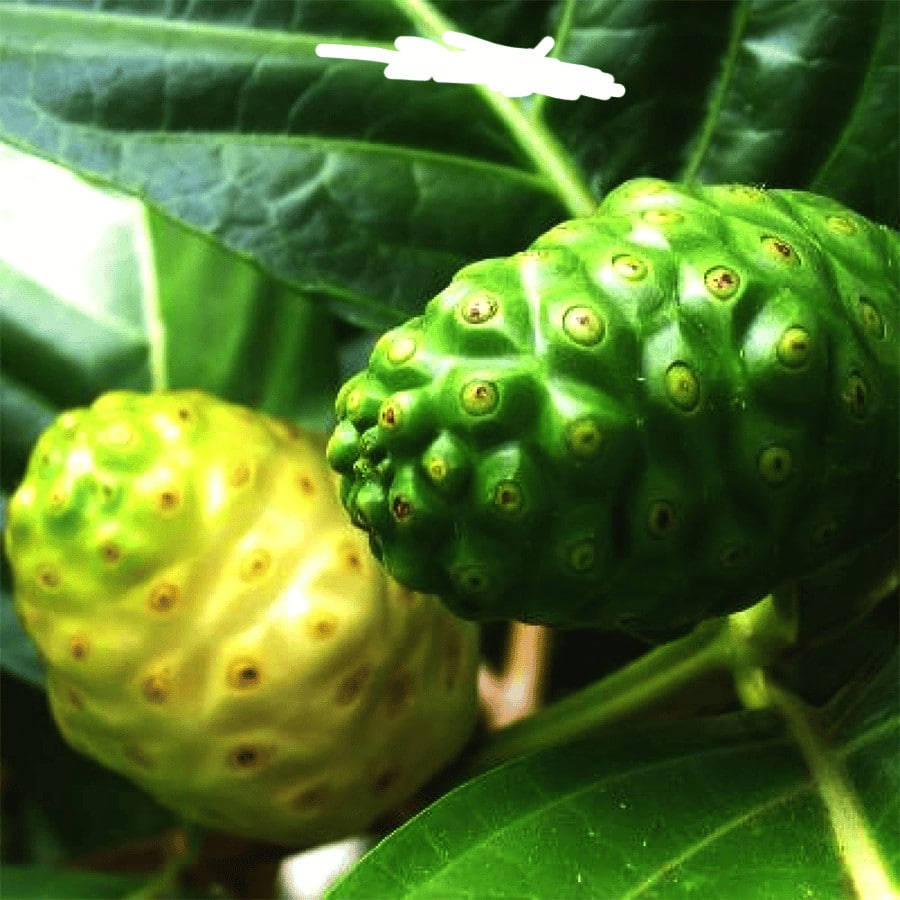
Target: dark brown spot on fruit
(110, 553)
(80, 647)
(775, 464)
(780, 250)
(399, 691)
(168, 500)
(306, 485)
(244, 673)
(351, 687)
(163, 596)
(793, 349)
(722, 282)
(389, 415)
(661, 519)
(246, 757)
(255, 564)
(386, 780)
(401, 508)
(137, 756)
(856, 396)
(584, 437)
(48, 577)
(311, 798)
(322, 626)
(157, 687)
(478, 309)
(239, 475)
(630, 267)
(75, 699)
(584, 325)
(479, 397)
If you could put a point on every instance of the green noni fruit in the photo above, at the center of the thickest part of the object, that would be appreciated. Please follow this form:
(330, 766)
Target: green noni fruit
(654, 414)
(215, 629)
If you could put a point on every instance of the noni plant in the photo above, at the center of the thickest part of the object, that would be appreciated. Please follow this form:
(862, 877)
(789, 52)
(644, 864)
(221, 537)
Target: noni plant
(654, 414)
(685, 298)
(214, 629)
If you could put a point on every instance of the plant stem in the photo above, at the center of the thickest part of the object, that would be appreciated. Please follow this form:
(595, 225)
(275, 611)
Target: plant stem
(185, 848)
(519, 688)
(858, 852)
(648, 679)
(532, 135)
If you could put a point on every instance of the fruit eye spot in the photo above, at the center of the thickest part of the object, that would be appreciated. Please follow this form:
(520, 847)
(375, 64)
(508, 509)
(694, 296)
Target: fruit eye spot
(401, 349)
(163, 597)
(353, 403)
(471, 580)
(240, 474)
(794, 347)
(629, 267)
(661, 216)
(841, 225)
(168, 500)
(582, 555)
(479, 397)
(584, 438)
(306, 485)
(508, 496)
(156, 688)
(682, 386)
(351, 687)
(80, 647)
(244, 673)
(437, 470)
(386, 780)
(58, 498)
(733, 557)
(584, 325)
(184, 414)
(75, 698)
(389, 416)
(322, 626)
(871, 318)
(398, 692)
(246, 757)
(775, 465)
(661, 519)
(311, 798)
(478, 309)
(111, 553)
(48, 577)
(780, 250)
(856, 396)
(722, 282)
(255, 564)
(401, 508)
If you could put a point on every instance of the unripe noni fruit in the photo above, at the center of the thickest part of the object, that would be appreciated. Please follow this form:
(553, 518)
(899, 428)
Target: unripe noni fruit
(654, 414)
(216, 630)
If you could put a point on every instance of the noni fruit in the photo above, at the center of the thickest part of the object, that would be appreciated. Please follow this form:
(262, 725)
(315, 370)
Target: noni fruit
(654, 414)
(215, 629)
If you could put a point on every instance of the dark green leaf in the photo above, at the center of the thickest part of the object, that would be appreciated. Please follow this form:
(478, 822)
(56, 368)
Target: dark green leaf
(44, 883)
(715, 808)
(68, 804)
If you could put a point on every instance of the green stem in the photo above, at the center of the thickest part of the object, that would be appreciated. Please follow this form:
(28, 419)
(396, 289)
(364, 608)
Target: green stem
(532, 135)
(859, 854)
(634, 687)
(747, 639)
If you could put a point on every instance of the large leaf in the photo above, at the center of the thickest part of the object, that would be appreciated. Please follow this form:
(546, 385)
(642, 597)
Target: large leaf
(41, 882)
(368, 193)
(723, 807)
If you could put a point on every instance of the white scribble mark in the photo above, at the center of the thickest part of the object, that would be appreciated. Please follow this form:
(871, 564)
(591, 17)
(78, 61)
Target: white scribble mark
(511, 71)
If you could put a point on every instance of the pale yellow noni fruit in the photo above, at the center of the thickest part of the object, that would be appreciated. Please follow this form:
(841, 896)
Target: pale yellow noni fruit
(216, 629)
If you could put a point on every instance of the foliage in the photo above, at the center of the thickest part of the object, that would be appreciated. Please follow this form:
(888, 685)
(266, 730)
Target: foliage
(190, 197)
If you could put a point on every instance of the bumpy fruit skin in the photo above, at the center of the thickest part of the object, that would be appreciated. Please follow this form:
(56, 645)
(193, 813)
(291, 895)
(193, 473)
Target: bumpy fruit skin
(652, 415)
(215, 629)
